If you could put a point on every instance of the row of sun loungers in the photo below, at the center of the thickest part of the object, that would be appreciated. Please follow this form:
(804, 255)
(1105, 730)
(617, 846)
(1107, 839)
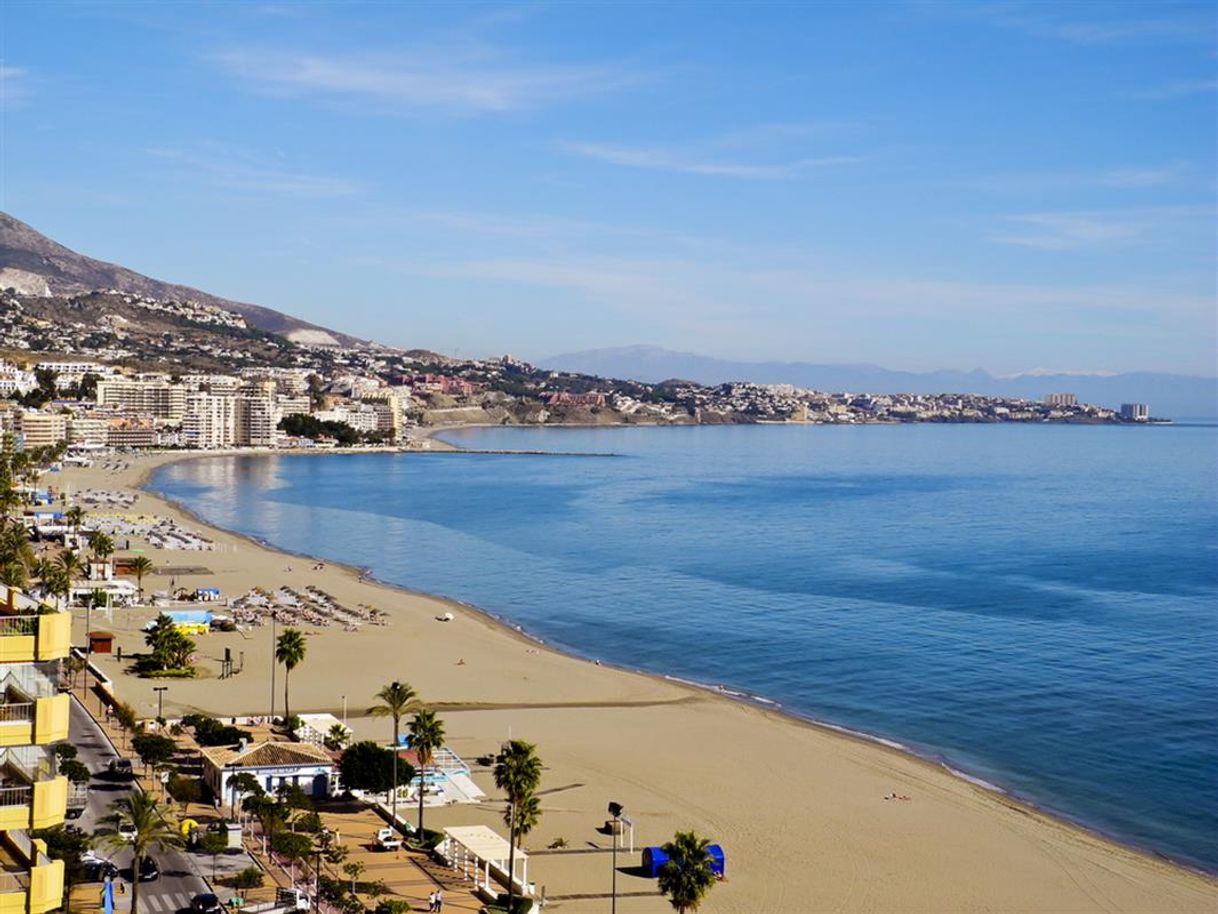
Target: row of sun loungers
(314, 607)
(159, 532)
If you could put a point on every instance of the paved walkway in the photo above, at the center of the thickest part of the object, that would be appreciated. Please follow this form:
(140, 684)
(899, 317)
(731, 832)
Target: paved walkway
(409, 875)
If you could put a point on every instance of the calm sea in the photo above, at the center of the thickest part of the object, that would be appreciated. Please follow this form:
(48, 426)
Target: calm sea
(1034, 605)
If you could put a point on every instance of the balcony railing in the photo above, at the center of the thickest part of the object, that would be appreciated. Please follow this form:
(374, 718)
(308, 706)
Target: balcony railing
(14, 882)
(16, 796)
(18, 625)
(18, 713)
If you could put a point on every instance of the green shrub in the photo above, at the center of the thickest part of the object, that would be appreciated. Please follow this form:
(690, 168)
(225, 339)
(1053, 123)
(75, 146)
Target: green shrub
(249, 878)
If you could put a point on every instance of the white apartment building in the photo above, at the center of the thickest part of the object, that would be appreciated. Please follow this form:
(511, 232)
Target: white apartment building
(14, 381)
(211, 383)
(88, 430)
(1061, 400)
(158, 398)
(293, 405)
(361, 417)
(74, 371)
(209, 421)
(1135, 412)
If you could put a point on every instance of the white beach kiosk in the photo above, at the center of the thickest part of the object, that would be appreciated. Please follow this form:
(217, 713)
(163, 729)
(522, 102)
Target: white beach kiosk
(476, 850)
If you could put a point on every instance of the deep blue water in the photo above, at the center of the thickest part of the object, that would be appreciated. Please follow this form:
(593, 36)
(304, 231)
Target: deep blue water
(1035, 605)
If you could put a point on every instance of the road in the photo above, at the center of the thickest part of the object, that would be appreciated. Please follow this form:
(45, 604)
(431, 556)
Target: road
(180, 880)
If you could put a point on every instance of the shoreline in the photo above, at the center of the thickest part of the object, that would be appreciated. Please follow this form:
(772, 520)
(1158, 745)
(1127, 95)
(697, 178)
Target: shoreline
(504, 624)
(768, 709)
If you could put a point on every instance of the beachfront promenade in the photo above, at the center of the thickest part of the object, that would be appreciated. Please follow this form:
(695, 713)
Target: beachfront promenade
(404, 874)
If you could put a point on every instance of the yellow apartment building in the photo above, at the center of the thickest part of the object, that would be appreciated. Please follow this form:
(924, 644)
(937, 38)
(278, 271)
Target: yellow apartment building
(34, 639)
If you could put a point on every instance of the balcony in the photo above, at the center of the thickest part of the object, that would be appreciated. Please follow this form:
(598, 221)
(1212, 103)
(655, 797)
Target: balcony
(33, 723)
(27, 637)
(29, 880)
(32, 795)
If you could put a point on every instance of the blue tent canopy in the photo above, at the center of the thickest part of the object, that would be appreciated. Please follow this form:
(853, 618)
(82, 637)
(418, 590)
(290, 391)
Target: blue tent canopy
(654, 858)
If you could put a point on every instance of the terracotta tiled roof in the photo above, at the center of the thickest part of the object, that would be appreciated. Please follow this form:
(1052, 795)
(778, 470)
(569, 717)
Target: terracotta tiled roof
(268, 755)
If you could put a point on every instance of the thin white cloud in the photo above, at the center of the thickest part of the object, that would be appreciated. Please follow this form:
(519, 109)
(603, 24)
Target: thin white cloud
(1088, 24)
(1179, 90)
(13, 86)
(1130, 178)
(660, 159)
(699, 292)
(1066, 231)
(412, 81)
(239, 170)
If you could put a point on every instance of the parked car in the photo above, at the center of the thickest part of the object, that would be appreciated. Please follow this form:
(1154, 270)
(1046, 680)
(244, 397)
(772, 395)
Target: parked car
(122, 767)
(126, 831)
(149, 871)
(97, 869)
(205, 903)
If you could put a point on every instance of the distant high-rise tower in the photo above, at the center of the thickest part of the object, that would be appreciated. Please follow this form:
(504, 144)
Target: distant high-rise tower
(1135, 412)
(1061, 400)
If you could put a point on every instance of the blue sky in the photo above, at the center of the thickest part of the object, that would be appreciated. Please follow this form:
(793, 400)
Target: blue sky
(920, 185)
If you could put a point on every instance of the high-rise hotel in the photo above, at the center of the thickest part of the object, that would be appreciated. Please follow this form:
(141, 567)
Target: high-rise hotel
(34, 639)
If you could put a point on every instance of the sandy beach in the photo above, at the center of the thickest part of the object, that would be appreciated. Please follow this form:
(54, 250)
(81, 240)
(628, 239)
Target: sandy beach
(799, 809)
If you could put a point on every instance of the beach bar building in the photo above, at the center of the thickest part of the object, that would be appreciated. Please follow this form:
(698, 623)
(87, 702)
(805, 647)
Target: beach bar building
(274, 764)
(481, 855)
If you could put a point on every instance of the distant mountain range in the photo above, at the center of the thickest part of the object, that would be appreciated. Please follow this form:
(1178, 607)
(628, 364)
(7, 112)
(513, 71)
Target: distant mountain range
(1168, 395)
(35, 265)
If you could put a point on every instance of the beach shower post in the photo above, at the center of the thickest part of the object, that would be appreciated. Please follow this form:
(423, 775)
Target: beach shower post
(615, 810)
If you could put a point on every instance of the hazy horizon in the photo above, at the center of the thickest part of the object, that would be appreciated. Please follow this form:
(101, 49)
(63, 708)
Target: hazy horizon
(1009, 186)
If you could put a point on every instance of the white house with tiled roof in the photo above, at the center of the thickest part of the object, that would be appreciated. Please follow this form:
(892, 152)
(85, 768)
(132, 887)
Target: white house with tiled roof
(273, 763)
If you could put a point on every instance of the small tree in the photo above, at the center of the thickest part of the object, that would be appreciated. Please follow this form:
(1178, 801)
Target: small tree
(687, 876)
(185, 790)
(214, 843)
(367, 766)
(154, 749)
(243, 785)
(353, 871)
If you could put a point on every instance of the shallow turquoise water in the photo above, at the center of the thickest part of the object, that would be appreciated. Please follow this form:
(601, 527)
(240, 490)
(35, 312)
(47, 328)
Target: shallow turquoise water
(1035, 605)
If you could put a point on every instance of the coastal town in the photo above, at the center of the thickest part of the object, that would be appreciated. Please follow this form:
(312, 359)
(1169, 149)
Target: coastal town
(138, 372)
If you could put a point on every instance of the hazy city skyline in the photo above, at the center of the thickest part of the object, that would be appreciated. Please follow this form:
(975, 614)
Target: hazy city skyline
(1010, 186)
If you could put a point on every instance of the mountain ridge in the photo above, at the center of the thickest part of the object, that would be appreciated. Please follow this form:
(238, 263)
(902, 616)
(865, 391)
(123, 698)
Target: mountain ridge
(27, 257)
(1175, 395)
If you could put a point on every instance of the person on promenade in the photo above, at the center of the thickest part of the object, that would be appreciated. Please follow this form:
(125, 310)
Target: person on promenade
(431, 901)
(439, 901)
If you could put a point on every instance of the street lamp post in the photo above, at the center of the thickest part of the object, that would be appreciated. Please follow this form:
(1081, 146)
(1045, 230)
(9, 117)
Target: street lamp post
(160, 701)
(272, 667)
(615, 810)
(344, 710)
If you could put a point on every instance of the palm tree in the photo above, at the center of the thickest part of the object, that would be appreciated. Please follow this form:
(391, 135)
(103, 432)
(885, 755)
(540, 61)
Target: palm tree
(69, 563)
(290, 651)
(141, 565)
(154, 826)
(102, 545)
(517, 773)
(395, 699)
(687, 876)
(527, 817)
(426, 736)
(75, 516)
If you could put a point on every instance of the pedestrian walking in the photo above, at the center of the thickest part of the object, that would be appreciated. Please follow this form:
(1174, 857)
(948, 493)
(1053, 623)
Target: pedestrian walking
(439, 901)
(431, 901)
